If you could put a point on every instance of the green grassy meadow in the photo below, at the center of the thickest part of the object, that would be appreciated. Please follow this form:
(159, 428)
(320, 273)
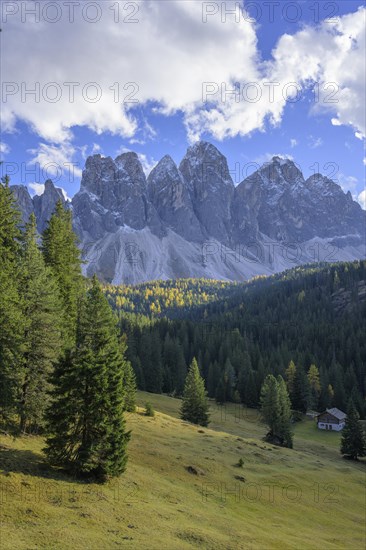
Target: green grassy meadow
(183, 490)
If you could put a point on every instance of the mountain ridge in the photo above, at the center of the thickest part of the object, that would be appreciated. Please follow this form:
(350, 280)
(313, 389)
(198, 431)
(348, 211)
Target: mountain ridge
(191, 221)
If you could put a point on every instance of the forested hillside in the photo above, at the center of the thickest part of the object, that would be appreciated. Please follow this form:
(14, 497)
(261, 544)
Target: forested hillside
(312, 316)
(168, 298)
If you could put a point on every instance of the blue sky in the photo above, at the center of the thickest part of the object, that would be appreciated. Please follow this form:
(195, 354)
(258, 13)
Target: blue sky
(167, 52)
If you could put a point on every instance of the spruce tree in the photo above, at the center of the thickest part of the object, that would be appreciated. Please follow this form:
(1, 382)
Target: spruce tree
(270, 406)
(195, 405)
(314, 386)
(86, 424)
(251, 393)
(300, 395)
(41, 338)
(276, 410)
(11, 318)
(129, 379)
(61, 254)
(353, 443)
(290, 377)
(284, 427)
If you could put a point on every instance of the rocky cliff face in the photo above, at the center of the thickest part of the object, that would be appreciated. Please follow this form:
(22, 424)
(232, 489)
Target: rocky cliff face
(41, 205)
(192, 222)
(206, 175)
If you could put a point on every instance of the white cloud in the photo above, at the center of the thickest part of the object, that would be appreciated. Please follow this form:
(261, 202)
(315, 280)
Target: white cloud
(148, 163)
(364, 161)
(37, 188)
(4, 148)
(314, 142)
(267, 157)
(335, 122)
(328, 58)
(362, 199)
(164, 61)
(55, 161)
(348, 183)
(167, 56)
(293, 143)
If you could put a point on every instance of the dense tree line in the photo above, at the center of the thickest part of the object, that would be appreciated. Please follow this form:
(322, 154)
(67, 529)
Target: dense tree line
(63, 366)
(290, 325)
(169, 297)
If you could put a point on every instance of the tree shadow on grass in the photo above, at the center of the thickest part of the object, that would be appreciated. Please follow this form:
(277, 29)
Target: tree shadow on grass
(33, 464)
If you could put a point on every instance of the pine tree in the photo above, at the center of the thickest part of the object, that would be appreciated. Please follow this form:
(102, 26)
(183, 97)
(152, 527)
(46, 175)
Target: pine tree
(151, 362)
(42, 338)
(290, 377)
(300, 394)
(314, 385)
(129, 380)
(86, 424)
(195, 405)
(270, 406)
(62, 255)
(220, 393)
(353, 443)
(251, 397)
(11, 319)
(276, 410)
(284, 427)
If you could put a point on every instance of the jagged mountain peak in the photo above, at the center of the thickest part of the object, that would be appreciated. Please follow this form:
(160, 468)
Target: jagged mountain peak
(166, 168)
(322, 186)
(131, 164)
(280, 171)
(203, 148)
(176, 214)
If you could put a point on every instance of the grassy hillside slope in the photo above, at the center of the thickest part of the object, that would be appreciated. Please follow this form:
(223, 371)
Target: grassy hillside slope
(183, 490)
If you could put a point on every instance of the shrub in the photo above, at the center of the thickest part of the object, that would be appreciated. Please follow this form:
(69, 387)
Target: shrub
(149, 411)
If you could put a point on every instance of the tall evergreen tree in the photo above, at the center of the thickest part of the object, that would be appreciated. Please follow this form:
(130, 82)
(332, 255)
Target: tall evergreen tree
(290, 377)
(270, 406)
(353, 443)
(251, 397)
(11, 319)
(42, 338)
(276, 410)
(195, 404)
(314, 386)
(284, 426)
(86, 424)
(300, 394)
(62, 255)
(129, 379)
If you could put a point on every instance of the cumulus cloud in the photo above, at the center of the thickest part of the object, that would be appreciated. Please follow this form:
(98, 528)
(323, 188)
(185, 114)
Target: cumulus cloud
(148, 163)
(267, 157)
(172, 60)
(327, 60)
(56, 161)
(348, 183)
(314, 142)
(4, 148)
(36, 188)
(362, 199)
(164, 58)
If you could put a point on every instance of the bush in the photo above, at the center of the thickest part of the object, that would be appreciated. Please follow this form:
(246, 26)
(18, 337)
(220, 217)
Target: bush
(240, 463)
(149, 411)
